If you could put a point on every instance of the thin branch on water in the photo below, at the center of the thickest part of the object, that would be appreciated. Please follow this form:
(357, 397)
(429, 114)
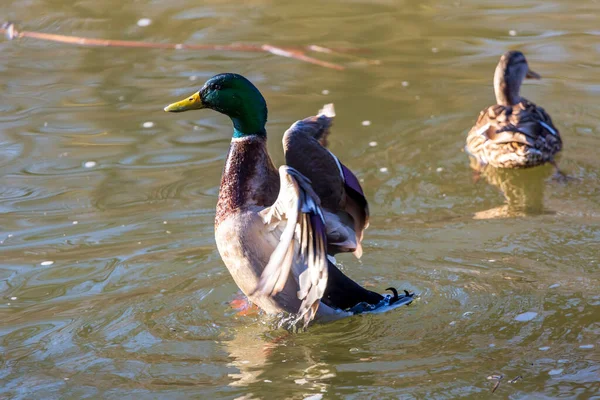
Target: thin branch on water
(297, 53)
(497, 378)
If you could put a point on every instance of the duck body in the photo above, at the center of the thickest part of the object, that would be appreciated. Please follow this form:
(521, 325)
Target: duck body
(249, 184)
(514, 133)
(514, 136)
(277, 229)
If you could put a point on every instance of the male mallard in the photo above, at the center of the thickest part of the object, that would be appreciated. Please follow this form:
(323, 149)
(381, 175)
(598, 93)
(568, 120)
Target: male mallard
(515, 133)
(275, 230)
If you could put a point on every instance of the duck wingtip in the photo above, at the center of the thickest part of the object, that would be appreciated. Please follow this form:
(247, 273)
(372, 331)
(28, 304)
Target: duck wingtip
(328, 110)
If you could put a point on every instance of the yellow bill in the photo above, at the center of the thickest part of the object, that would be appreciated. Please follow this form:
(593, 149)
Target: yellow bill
(193, 102)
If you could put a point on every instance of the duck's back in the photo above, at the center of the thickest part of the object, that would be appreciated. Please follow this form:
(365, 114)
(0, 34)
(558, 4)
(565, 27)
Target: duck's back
(518, 136)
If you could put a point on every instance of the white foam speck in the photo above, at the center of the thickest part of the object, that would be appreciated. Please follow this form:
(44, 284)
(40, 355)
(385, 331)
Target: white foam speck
(301, 381)
(405, 83)
(526, 316)
(434, 50)
(366, 123)
(90, 164)
(586, 346)
(245, 362)
(148, 124)
(512, 32)
(10, 235)
(317, 396)
(178, 46)
(75, 222)
(46, 263)
(383, 169)
(121, 98)
(452, 323)
(544, 348)
(13, 298)
(557, 371)
(164, 222)
(267, 381)
(372, 144)
(554, 286)
(492, 260)
(193, 78)
(325, 92)
(354, 350)
(66, 379)
(439, 169)
(144, 22)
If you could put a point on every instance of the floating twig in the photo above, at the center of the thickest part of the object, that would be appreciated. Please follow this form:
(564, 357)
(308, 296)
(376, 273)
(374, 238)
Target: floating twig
(497, 378)
(515, 379)
(296, 53)
(278, 51)
(343, 53)
(496, 386)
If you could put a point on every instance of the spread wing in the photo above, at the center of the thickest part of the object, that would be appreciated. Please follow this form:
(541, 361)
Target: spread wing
(302, 247)
(345, 206)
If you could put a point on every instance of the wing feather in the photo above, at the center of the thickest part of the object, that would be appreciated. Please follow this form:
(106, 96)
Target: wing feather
(342, 197)
(301, 250)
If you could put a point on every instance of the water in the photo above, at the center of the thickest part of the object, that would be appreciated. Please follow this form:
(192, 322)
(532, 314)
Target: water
(132, 301)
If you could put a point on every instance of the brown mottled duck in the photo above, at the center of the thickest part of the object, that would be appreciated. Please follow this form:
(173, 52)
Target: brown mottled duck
(515, 133)
(277, 230)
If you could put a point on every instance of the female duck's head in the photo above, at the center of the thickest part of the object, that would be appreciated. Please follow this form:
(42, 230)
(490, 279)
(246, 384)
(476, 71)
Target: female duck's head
(234, 96)
(510, 73)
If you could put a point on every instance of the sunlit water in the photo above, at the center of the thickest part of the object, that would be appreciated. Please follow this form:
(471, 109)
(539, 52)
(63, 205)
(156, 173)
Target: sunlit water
(110, 282)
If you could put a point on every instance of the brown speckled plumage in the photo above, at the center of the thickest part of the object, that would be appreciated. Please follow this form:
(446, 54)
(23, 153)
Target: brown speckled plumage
(514, 136)
(515, 133)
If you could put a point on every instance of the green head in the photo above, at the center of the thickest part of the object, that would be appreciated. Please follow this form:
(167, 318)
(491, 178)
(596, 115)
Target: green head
(234, 96)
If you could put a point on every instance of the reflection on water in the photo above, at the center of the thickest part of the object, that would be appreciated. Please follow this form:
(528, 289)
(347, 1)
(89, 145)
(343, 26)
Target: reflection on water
(110, 282)
(523, 190)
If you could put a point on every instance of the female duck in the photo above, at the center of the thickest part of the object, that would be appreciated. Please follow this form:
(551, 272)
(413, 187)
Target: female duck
(276, 230)
(515, 133)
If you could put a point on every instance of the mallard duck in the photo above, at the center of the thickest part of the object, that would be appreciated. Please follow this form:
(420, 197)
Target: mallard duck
(515, 133)
(277, 230)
